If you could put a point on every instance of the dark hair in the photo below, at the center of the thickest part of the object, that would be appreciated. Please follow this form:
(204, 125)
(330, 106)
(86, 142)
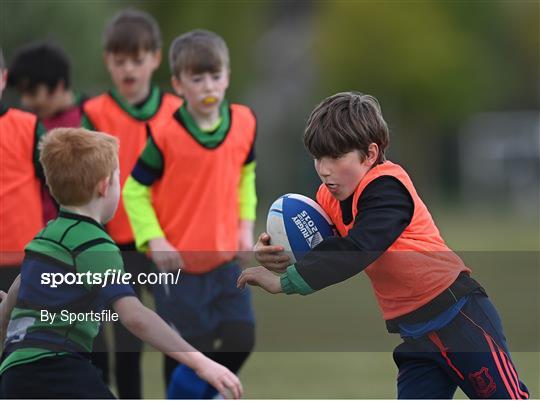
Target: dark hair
(345, 122)
(131, 31)
(39, 63)
(2, 61)
(198, 51)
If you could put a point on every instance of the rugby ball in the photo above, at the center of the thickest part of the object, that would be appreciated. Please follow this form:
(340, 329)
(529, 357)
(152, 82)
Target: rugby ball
(298, 224)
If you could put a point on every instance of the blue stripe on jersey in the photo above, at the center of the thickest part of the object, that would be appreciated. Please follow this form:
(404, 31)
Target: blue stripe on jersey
(144, 175)
(44, 338)
(111, 292)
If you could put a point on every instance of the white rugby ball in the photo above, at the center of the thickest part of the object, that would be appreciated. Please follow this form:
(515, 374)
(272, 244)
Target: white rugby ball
(298, 224)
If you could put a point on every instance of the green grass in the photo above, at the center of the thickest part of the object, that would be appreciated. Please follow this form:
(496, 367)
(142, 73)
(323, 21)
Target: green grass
(487, 230)
(325, 375)
(333, 344)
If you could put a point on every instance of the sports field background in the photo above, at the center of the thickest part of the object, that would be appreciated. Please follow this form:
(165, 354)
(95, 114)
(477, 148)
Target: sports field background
(459, 86)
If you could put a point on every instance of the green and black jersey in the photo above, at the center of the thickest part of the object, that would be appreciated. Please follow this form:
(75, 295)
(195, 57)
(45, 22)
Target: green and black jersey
(69, 268)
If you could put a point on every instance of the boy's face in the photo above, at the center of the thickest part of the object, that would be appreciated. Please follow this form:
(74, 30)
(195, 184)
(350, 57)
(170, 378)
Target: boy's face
(111, 197)
(205, 91)
(42, 101)
(131, 75)
(343, 174)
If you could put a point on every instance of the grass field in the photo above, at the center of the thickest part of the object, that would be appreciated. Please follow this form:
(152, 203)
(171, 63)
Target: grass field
(334, 344)
(285, 375)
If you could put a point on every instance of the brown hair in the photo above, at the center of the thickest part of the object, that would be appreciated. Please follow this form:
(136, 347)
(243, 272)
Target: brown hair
(75, 160)
(198, 51)
(131, 31)
(345, 122)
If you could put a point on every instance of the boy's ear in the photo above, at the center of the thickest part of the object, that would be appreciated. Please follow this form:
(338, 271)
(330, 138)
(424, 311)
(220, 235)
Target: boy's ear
(373, 154)
(157, 57)
(177, 85)
(107, 60)
(103, 187)
(228, 77)
(3, 79)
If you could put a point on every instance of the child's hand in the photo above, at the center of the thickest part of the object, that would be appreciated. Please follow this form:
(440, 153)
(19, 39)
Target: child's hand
(245, 242)
(164, 255)
(271, 256)
(221, 378)
(261, 277)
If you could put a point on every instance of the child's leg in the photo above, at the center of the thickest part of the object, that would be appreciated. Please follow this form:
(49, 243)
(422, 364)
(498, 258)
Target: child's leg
(237, 341)
(203, 343)
(231, 309)
(474, 353)
(54, 377)
(419, 374)
(127, 367)
(237, 322)
(186, 385)
(100, 355)
(186, 307)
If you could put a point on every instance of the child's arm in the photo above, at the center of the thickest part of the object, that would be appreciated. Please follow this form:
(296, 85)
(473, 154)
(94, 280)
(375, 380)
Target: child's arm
(149, 327)
(142, 216)
(247, 201)
(290, 282)
(385, 209)
(260, 277)
(6, 306)
(146, 228)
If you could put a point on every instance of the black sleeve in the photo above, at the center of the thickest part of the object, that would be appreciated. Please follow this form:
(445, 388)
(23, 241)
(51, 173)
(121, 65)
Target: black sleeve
(385, 209)
(251, 155)
(39, 133)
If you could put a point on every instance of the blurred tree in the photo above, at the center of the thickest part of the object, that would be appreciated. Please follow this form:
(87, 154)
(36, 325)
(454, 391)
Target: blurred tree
(238, 22)
(431, 64)
(441, 60)
(75, 25)
(78, 27)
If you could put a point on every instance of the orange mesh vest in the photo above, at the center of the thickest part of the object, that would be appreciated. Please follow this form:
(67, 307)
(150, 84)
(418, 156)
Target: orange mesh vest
(196, 199)
(106, 115)
(418, 266)
(20, 201)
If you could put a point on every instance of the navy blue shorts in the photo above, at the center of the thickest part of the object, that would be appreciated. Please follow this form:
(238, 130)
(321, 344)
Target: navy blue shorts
(199, 303)
(53, 377)
(470, 352)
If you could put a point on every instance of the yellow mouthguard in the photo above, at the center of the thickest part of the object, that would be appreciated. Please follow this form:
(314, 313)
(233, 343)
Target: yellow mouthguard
(209, 100)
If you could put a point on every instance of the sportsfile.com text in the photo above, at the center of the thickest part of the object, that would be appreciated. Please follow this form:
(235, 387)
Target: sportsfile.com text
(109, 277)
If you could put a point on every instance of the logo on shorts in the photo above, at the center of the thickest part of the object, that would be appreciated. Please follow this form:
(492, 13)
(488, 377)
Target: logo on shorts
(483, 383)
